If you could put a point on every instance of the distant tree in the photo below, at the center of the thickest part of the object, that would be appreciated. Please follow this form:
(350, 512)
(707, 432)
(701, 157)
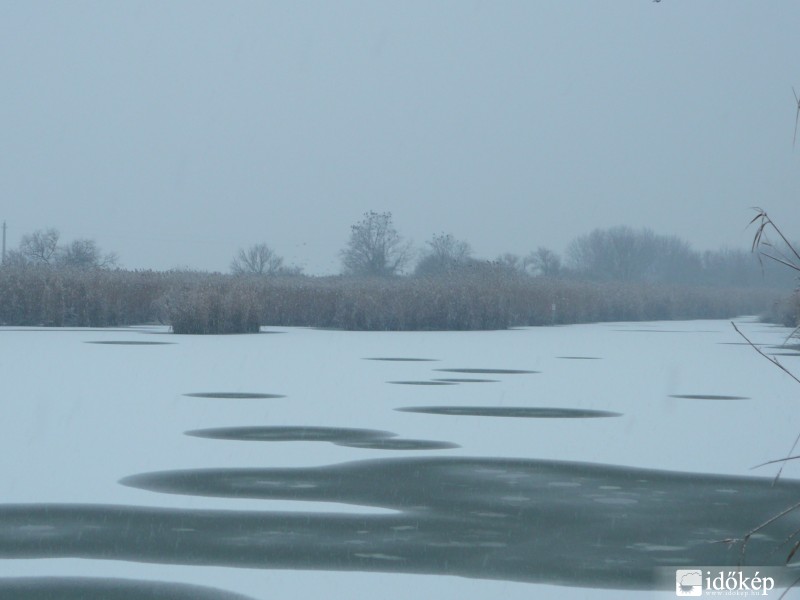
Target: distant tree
(15, 259)
(40, 247)
(84, 254)
(744, 269)
(375, 248)
(258, 259)
(619, 253)
(675, 262)
(625, 254)
(293, 270)
(445, 254)
(730, 267)
(510, 263)
(543, 262)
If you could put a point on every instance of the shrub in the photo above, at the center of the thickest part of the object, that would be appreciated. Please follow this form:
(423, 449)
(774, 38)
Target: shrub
(214, 308)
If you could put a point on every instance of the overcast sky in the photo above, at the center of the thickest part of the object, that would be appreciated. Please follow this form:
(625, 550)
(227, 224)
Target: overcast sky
(176, 132)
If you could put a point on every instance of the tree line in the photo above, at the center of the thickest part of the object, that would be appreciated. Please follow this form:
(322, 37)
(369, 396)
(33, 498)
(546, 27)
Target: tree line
(612, 274)
(42, 249)
(376, 249)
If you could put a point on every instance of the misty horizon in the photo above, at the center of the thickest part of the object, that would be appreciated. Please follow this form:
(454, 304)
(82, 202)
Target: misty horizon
(417, 252)
(176, 134)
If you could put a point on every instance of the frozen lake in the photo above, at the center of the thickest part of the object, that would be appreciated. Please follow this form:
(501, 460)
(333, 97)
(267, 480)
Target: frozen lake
(331, 464)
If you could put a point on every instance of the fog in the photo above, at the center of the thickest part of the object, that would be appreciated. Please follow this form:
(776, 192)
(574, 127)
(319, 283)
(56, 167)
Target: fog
(176, 133)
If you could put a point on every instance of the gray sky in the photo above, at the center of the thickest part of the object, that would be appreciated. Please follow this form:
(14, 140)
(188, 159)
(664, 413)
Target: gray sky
(176, 132)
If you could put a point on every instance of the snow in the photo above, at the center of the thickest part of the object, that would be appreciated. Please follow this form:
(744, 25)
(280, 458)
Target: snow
(79, 417)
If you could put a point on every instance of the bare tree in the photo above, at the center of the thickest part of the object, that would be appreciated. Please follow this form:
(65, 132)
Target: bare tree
(258, 259)
(675, 261)
(444, 255)
(85, 254)
(510, 263)
(375, 248)
(16, 260)
(544, 262)
(619, 253)
(40, 247)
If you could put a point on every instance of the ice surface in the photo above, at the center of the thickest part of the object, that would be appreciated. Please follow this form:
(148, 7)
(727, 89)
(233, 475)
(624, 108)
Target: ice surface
(79, 417)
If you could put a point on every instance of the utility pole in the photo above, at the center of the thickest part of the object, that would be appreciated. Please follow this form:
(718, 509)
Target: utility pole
(4, 243)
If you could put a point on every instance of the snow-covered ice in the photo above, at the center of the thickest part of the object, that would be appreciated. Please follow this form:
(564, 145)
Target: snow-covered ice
(79, 417)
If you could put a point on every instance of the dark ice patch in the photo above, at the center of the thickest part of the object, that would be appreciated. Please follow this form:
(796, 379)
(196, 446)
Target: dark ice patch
(341, 436)
(511, 411)
(291, 434)
(466, 380)
(668, 330)
(399, 444)
(793, 347)
(555, 522)
(233, 395)
(708, 397)
(401, 359)
(130, 343)
(488, 371)
(422, 382)
(92, 588)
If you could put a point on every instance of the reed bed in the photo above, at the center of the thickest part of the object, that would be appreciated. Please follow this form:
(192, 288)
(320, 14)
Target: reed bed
(207, 303)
